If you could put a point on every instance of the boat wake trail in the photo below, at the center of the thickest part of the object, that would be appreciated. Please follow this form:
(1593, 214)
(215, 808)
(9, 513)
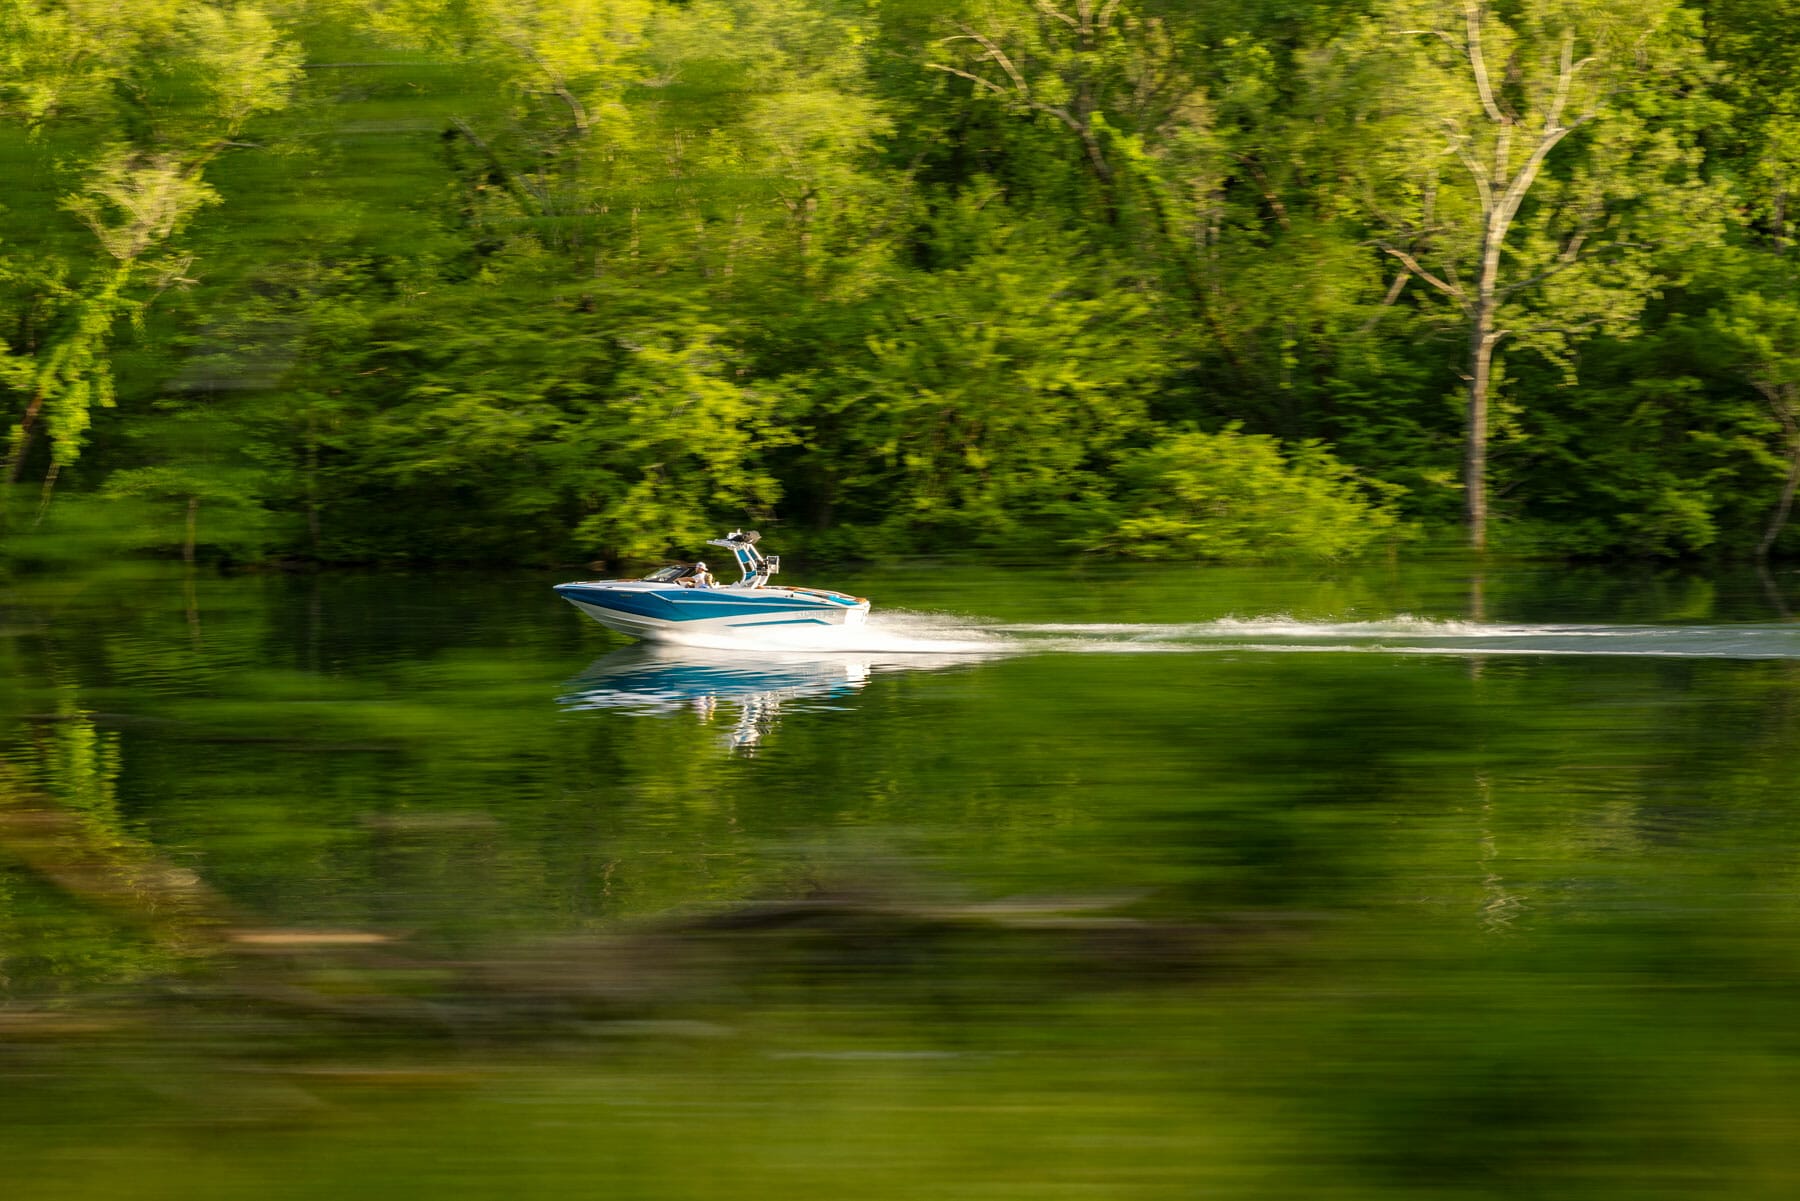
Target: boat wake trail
(754, 676)
(896, 634)
(901, 636)
(1406, 635)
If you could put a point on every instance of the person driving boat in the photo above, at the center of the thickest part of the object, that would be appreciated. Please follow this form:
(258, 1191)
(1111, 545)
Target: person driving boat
(697, 577)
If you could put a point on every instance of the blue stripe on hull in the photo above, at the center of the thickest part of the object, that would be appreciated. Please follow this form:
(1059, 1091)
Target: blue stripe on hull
(684, 606)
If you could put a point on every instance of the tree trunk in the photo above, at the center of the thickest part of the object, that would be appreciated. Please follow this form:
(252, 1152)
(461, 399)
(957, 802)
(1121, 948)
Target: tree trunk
(1482, 339)
(1502, 191)
(1778, 215)
(312, 480)
(1779, 521)
(1481, 354)
(1779, 220)
(193, 522)
(22, 439)
(46, 492)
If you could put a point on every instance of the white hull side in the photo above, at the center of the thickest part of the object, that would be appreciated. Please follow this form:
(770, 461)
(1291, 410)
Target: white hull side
(652, 629)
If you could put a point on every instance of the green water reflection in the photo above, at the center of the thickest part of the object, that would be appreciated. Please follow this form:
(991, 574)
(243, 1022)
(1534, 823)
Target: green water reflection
(1147, 884)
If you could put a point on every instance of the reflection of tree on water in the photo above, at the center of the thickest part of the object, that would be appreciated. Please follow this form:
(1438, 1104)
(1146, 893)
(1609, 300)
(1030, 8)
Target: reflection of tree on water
(750, 690)
(60, 821)
(62, 836)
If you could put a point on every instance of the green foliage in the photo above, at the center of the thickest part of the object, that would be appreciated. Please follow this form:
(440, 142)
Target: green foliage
(1233, 497)
(550, 279)
(144, 97)
(988, 399)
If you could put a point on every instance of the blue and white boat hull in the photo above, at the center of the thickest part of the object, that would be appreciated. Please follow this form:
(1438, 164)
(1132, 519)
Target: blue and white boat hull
(668, 613)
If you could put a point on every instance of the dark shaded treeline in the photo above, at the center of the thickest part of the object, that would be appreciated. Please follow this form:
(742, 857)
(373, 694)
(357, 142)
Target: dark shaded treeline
(536, 280)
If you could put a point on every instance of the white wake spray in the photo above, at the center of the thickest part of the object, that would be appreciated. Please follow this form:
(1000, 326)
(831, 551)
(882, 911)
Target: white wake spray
(901, 637)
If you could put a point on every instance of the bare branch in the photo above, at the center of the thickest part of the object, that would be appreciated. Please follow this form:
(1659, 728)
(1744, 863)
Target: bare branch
(1459, 142)
(1086, 134)
(1412, 265)
(1261, 179)
(557, 84)
(1106, 14)
(1440, 35)
(1387, 302)
(1477, 60)
(1515, 191)
(1565, 77)
(1555, 268)
(1022, 91)
(1569, 256)
(998, 55)
(986, 83)
(576, 108)
(519, 189)
(1044, 7)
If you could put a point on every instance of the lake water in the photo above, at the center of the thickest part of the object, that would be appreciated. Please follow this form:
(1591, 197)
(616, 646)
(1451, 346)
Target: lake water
(1145, 883)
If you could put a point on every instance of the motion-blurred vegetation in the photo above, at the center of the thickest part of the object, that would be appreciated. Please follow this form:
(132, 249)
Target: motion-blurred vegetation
(308, 888)
(540, 280)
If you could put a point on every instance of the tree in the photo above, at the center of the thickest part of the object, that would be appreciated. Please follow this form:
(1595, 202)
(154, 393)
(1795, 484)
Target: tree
(1090, 67)
(1517, 245)
(987, 401)
(1236, 497)
(151, 94)
(1763, 86)
(133, 204)
(1766, 332)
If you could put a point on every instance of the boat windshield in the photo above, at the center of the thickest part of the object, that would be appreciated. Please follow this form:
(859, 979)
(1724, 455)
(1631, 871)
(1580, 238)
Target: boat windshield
(665, 575)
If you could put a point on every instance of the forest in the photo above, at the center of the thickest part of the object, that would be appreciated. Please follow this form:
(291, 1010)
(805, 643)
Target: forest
(555, 281)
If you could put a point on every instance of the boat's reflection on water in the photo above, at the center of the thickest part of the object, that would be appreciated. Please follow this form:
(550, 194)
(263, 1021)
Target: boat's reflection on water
(749, 690)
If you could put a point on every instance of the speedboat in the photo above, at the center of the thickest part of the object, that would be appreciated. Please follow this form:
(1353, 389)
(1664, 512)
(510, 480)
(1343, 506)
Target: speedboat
(670, 603)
